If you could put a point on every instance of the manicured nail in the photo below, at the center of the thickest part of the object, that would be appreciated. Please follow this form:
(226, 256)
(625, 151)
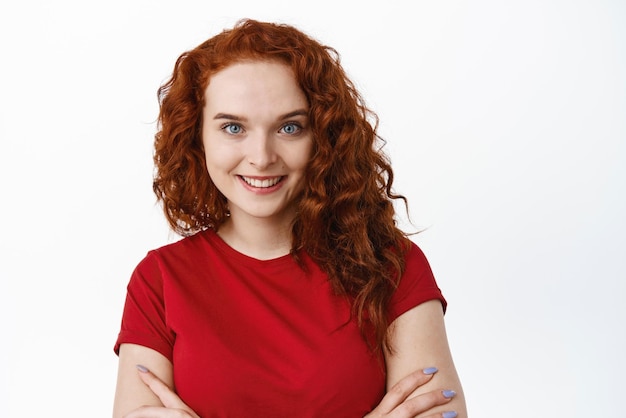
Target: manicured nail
(144, 369)
(448, 393)
(430, 370)
(449, 414)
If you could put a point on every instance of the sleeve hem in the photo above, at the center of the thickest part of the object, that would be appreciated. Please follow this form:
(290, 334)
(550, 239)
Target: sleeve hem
(126, 337)
(408, 304)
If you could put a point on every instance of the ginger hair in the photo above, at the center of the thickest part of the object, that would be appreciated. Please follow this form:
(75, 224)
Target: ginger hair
(346, 219)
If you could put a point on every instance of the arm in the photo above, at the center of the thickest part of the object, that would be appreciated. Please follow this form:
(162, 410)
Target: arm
(142, 393)
(131, 392)
(418, 340)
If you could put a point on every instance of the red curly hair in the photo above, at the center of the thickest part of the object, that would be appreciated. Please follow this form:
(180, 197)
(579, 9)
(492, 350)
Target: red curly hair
(346, 219)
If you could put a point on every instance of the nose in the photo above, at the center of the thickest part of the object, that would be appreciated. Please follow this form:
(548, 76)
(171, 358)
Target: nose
(261, 152)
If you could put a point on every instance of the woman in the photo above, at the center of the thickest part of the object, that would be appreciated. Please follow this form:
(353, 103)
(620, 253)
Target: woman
(293, 293)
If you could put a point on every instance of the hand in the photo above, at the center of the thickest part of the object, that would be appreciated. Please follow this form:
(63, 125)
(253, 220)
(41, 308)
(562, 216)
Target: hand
(397, 404)
(172, 407)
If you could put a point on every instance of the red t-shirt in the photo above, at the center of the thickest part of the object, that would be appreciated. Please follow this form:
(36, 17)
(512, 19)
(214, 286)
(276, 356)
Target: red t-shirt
(260, 337)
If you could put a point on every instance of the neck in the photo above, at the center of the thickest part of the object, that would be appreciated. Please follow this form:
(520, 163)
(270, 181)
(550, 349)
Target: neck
(258, 238)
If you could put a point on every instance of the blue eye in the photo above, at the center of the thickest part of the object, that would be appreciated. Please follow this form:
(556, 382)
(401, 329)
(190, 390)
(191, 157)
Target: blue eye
(232, 128)
(291, 128)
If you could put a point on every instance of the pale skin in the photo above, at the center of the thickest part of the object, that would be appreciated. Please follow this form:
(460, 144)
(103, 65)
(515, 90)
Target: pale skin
(257, 142)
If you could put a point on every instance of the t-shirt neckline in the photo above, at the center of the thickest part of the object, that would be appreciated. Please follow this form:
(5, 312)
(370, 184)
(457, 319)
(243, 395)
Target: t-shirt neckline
(232, 253)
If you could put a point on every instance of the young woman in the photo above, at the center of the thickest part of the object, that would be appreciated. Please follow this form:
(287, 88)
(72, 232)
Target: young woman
(293, 293)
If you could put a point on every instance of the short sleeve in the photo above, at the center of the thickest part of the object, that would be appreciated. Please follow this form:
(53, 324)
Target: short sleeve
(144, 317)
(417, 285)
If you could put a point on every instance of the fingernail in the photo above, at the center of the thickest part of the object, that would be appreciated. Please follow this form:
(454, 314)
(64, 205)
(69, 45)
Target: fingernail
(430, 370)
(449, 414)
(448, 394)
(144, 369)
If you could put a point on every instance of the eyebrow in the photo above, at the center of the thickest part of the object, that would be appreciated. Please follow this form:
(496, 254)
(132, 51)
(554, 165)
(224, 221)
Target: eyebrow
(228, 116)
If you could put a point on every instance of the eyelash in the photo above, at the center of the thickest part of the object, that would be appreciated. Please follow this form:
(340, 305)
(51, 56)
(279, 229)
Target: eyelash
(295, 124)
(227, 125)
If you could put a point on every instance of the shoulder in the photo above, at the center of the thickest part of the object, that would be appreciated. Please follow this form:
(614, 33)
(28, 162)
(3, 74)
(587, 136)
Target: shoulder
(417, 283)
(416, 265)
(183, 253)
(198, 241)
(186, 247)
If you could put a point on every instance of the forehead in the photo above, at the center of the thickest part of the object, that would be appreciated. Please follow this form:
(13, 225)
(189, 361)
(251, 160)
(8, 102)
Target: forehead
(254, 86)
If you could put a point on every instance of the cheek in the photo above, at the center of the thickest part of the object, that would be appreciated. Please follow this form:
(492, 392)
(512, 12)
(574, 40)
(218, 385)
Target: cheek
(302, 157)
(219, 158)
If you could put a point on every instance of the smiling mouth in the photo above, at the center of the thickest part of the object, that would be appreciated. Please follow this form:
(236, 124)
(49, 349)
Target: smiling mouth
(262, 183)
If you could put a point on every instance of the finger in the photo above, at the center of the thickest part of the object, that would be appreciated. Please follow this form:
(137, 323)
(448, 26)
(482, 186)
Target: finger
(168, 397)
(447, 414)
(405, 386)
(158, 412)
(422, 403)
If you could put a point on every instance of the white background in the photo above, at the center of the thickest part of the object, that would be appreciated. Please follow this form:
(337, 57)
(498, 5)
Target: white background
(505, 122)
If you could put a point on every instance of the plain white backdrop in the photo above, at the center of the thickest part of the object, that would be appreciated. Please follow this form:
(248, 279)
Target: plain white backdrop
(506, 125)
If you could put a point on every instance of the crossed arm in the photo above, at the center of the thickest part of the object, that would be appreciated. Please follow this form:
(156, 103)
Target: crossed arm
(419, 341)
(414, 388)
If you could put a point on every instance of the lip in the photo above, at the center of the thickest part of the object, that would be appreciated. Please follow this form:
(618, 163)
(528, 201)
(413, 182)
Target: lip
(262, 190)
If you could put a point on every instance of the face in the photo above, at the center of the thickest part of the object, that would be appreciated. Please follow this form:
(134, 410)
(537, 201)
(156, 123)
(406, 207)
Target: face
(257, 139)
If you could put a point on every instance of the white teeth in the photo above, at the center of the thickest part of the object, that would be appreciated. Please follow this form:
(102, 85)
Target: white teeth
(261, 183)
